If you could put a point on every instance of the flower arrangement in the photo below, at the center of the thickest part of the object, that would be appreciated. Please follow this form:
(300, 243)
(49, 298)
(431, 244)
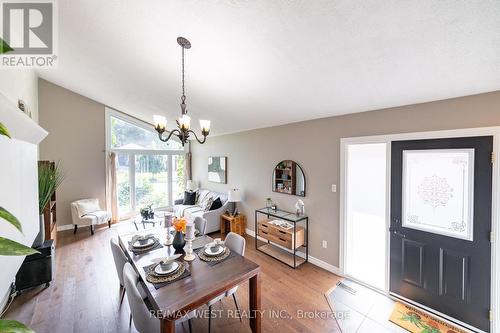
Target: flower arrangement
(180, 225)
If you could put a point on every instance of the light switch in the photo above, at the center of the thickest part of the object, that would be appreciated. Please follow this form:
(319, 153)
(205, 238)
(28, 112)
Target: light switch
(334, 188)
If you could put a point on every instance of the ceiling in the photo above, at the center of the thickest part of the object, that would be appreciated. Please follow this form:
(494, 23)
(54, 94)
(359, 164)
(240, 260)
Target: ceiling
(262, 63)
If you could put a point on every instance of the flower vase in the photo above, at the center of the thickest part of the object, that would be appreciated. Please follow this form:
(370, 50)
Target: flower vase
(179, 242)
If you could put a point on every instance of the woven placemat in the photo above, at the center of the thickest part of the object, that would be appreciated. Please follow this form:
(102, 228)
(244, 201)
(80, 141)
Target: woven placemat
(214, 260)
(154, 246)
(159, 281)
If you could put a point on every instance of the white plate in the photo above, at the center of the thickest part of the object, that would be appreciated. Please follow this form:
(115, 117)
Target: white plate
(160, 271)
(138, 245)
(208, 251)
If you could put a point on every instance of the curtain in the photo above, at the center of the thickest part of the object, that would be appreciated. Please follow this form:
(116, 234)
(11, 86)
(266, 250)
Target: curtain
(112, 188)
(188, 166)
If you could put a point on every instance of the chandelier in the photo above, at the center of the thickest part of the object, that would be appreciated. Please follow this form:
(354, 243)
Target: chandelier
(184, 122)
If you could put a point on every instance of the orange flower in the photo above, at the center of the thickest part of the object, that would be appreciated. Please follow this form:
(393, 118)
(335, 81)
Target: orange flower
(180, 225)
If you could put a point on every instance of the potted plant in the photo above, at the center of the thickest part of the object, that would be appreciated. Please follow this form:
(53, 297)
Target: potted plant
(50, 177)
(9, 247)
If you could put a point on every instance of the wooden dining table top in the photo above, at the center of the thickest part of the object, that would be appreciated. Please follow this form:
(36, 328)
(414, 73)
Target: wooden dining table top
(205, 282)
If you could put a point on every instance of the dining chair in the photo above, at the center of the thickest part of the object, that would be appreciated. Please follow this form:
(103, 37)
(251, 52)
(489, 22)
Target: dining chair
(200, 224)
(235, 243)
(144, 322)
(120, 260)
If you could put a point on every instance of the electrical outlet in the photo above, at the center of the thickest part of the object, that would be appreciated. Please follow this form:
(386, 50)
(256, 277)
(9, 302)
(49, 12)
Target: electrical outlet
(324, 244)
(334, 188)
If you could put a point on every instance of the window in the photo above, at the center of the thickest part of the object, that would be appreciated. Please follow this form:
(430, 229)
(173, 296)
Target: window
(148, 171)
(365, 212)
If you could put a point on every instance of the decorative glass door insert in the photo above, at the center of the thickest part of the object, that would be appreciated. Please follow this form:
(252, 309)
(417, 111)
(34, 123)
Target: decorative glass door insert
(438, 191)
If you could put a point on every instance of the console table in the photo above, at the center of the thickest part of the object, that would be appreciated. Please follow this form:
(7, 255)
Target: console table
(283, 244)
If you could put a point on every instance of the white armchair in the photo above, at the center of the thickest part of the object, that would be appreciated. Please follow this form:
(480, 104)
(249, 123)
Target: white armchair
(87, 212)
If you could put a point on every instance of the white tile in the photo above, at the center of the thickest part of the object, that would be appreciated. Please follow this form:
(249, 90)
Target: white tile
(370, 326)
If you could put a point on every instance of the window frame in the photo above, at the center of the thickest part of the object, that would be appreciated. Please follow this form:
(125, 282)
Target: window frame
(132, 153)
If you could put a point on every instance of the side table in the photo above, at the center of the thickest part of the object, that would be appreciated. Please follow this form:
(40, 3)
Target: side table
(237, 224)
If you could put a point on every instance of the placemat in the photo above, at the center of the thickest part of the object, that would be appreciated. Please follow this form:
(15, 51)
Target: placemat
(212, 261)
(151, 276)
(136, 251)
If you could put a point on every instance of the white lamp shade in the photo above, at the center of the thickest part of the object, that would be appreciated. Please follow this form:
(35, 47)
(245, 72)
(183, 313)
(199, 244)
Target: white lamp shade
(191, 185)
(234, 195)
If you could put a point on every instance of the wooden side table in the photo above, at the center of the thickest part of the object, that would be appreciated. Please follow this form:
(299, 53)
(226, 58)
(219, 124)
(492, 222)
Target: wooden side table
(237, 224)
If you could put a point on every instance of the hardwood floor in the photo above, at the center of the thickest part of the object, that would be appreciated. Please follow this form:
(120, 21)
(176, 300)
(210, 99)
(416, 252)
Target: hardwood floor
(84, 297)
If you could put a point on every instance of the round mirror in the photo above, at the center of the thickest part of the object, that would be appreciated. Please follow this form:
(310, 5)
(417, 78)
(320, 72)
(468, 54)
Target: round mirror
(288, 178)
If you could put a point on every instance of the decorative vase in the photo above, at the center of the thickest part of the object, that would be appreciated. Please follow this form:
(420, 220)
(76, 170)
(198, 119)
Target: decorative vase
(179, 242)
(40, 238)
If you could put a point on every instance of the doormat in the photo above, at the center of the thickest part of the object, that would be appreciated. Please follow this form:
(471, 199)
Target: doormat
(417, 321)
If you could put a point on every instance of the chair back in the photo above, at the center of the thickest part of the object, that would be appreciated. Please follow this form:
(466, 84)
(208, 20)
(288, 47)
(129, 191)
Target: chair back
(235, 243)
(143, 321)
(119, 258)
(85, 206)
(200, 224)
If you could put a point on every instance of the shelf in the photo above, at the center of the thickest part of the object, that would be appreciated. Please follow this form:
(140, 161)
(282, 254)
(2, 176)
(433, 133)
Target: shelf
(20, 126)
(281, 255)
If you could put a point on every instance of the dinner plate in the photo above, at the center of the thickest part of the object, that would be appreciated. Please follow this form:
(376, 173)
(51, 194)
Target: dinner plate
(208, 251)
(138, 245)
(160, 271)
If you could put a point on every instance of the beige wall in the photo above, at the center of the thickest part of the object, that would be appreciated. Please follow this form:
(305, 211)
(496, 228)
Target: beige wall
(77, 139)
(315, 145)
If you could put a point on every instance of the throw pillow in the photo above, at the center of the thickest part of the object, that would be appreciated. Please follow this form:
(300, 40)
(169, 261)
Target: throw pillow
(189, 198)
(206, 204)
(216, 204)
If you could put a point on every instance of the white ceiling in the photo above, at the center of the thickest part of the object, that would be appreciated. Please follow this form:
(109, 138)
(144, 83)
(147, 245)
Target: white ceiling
(262, 63)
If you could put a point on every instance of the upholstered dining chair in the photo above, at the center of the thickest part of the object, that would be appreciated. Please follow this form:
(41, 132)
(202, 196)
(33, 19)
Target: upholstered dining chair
(200, 224)
(120, 261)
(143, 321)
(235, 243)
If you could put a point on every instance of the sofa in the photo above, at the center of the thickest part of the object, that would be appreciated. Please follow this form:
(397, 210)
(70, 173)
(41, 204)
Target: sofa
(190, 212)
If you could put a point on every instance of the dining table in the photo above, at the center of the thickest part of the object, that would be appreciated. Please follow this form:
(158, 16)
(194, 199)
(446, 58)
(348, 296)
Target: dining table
(204, 283)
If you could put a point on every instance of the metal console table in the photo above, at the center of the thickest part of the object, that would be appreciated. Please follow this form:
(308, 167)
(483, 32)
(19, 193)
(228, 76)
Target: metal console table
(281, 243)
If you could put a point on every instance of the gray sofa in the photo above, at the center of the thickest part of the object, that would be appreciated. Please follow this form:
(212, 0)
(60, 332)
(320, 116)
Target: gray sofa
(192, 211)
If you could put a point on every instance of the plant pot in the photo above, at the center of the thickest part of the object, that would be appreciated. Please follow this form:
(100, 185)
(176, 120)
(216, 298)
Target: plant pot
(179, 242)
(40, 238)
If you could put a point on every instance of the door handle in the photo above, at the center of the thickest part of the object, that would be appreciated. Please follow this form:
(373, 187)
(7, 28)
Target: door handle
(398, 233)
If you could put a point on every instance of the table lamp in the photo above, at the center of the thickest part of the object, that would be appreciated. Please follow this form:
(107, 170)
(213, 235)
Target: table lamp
(191, 185)
(234, 195)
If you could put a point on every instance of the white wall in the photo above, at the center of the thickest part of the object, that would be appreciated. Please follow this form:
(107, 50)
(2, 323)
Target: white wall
(18, 174)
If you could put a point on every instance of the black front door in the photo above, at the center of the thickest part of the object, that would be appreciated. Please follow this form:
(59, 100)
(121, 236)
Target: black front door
(440, 226)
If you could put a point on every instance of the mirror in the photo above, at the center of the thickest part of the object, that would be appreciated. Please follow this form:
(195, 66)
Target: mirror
(288, 178)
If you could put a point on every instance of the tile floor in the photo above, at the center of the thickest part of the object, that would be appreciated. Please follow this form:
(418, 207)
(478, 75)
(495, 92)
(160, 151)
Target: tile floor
(366, 311)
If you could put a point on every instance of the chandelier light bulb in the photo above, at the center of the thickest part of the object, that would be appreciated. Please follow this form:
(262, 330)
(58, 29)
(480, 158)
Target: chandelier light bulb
(205, 125)
(160, 122)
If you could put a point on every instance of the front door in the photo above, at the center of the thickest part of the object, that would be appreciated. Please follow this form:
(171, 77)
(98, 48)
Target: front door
(440, 226)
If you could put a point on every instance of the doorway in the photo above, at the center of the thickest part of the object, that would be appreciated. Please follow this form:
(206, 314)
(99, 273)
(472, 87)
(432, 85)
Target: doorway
(449, 277)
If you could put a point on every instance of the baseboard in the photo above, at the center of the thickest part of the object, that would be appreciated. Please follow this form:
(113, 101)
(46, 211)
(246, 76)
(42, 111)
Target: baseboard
(65, 227)
(315, 261)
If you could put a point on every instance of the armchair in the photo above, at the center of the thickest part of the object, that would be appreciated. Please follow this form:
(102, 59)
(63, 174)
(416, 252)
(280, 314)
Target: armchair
(87, 212)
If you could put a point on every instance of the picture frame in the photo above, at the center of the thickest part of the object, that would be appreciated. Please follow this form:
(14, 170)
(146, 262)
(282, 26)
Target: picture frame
(217, 169)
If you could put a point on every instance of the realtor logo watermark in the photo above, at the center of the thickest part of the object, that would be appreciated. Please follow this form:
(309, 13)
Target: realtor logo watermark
(29, 28)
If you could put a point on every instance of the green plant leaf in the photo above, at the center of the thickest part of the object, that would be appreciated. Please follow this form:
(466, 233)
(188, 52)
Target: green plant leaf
(12, 326)
(4, 131)
(10, 248)
(4, 47)
(4, 214)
